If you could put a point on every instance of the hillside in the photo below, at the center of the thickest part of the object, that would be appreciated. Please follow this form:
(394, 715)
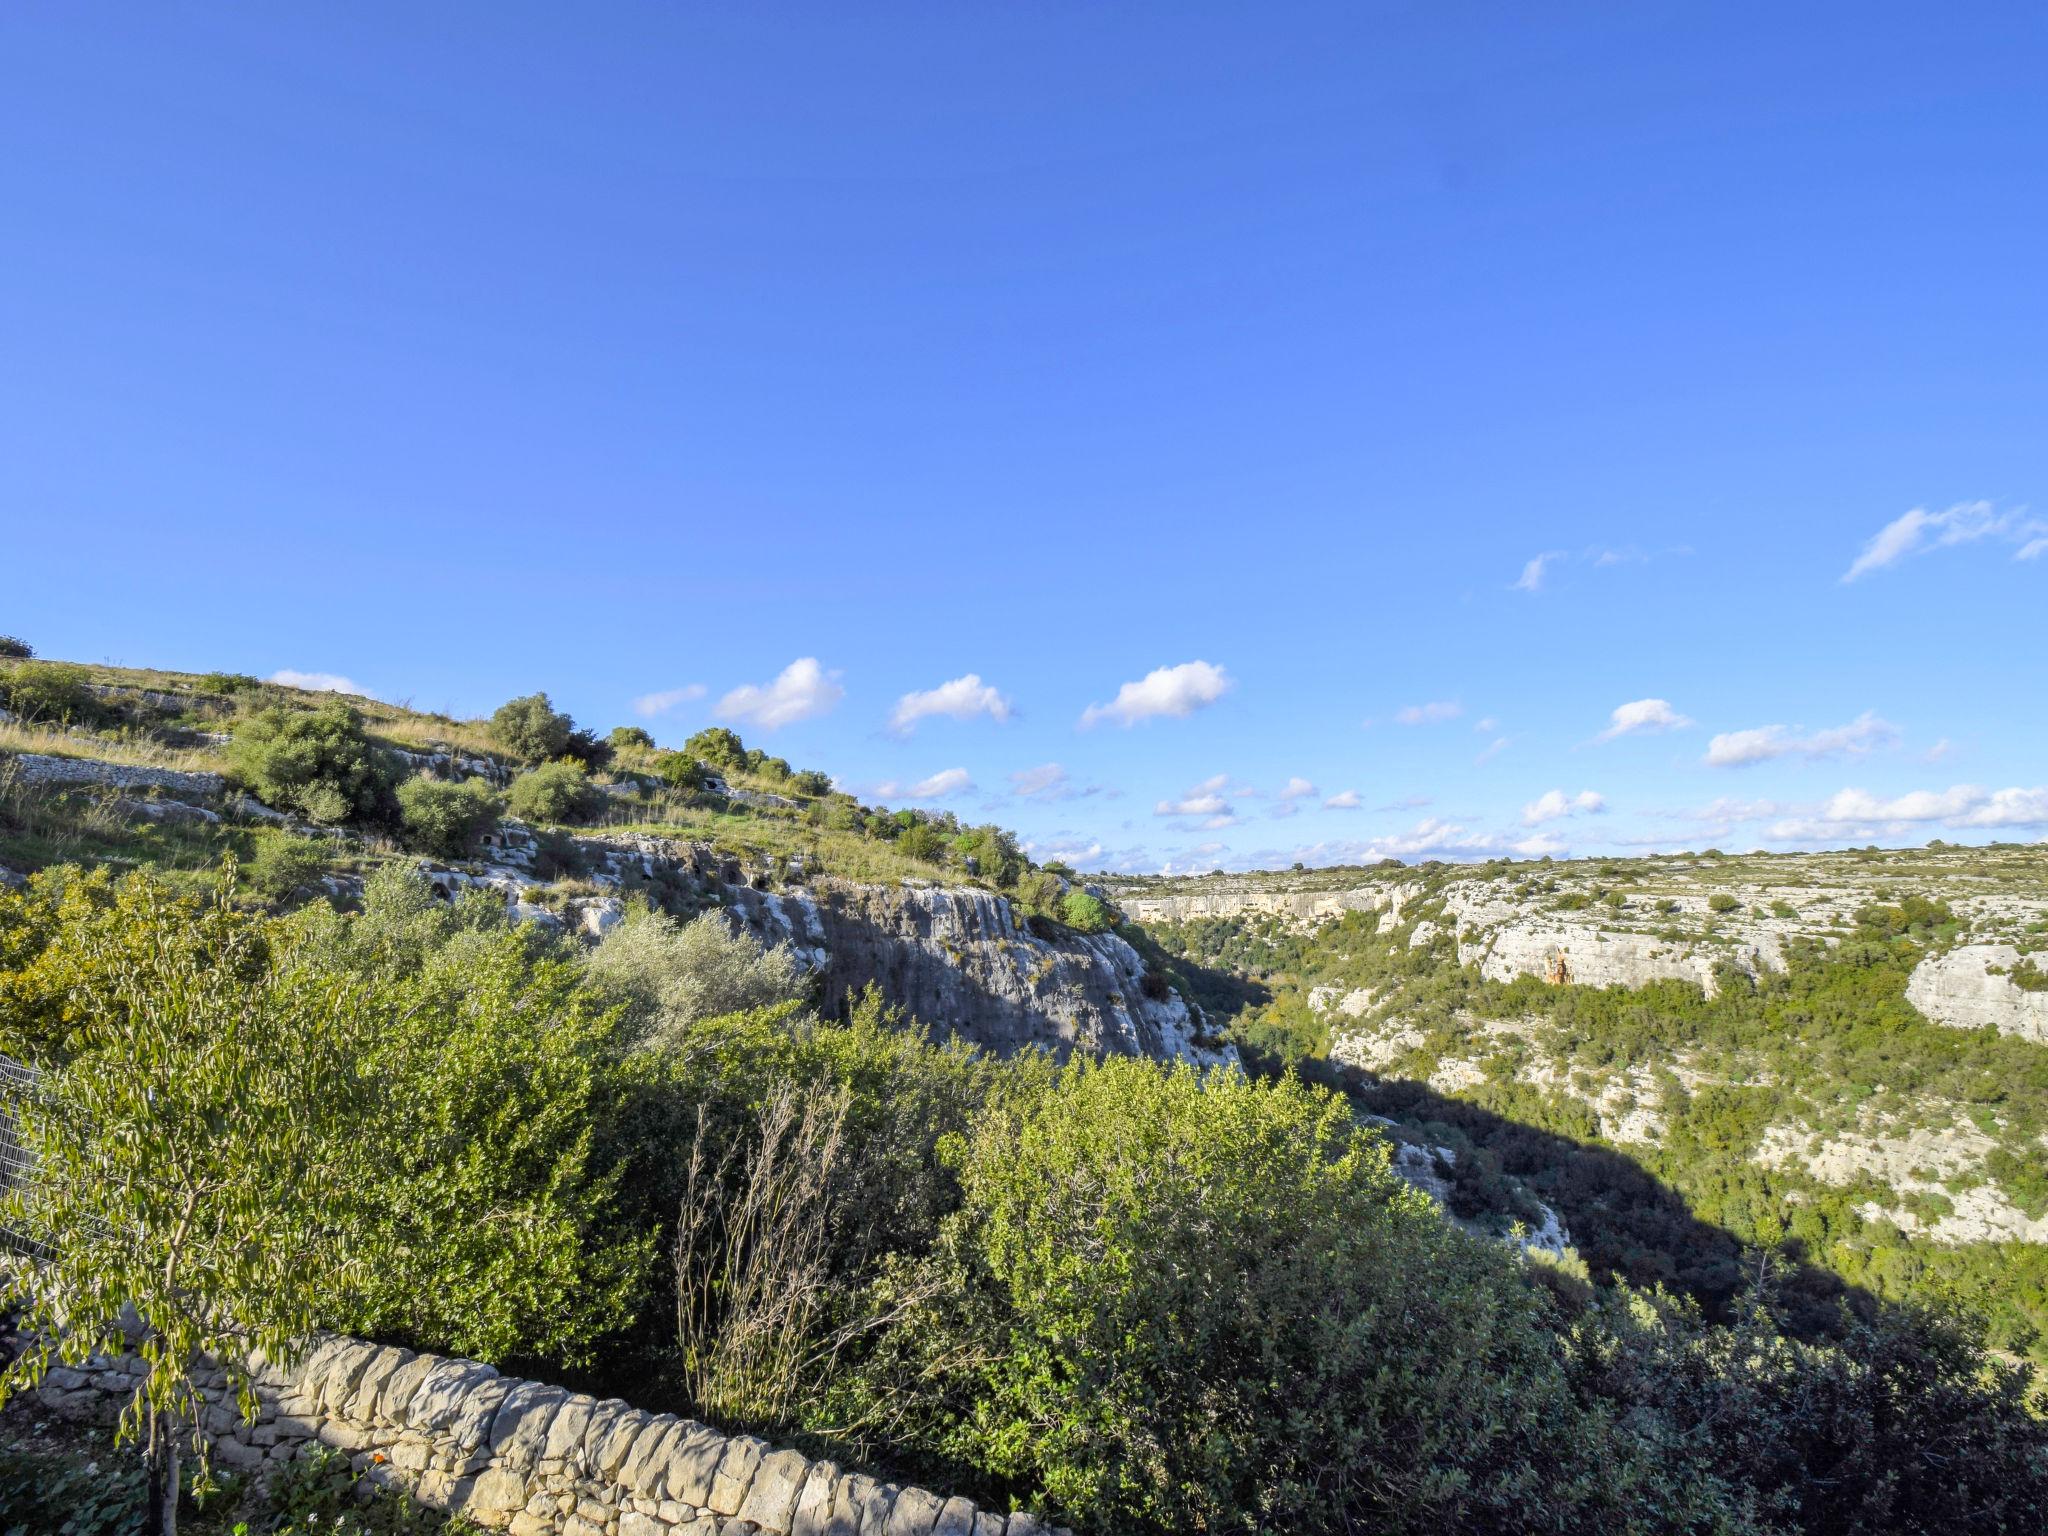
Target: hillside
(1846, 1052)
(127, 768)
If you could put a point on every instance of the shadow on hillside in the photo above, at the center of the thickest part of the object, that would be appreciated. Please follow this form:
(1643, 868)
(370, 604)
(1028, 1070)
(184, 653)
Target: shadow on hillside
(1625, 1222)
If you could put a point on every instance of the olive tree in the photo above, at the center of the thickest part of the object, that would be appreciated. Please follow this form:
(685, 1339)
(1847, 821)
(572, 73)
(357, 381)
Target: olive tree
(187, 1175)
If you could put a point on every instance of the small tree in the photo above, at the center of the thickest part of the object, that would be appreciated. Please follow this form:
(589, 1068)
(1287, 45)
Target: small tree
(553, 792)
(679, 770)
(625, 737)
(317, 762)
(51, 691)
(185, 1182)
(531, 727)
(718, 747)
(446, 819)
(14, 648)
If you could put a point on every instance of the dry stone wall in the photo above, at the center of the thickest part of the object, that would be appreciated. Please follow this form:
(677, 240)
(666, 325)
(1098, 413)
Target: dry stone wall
(537, 1460)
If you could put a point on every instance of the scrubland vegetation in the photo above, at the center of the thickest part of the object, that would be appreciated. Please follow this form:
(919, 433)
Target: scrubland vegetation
(1139, 1300)
(1133, 1297)
(1827, 1048)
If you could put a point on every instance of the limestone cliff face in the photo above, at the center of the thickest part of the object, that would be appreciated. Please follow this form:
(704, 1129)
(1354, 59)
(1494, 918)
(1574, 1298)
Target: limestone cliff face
(1971, 987)
(963, 964)
(958, 959)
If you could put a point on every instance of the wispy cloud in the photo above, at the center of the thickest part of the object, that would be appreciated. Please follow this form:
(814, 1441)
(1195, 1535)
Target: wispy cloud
(1740, 749)
(1433, 713)
(1490, 751)
(319, 682)
(1531, 579)
(1555, 803)
(1343, 800)
(802, 690)
(1172, 692)
(961, 699)
(1641, 716)
(1048, 781)
(946, 784)
(652, 704)
(1920, 531)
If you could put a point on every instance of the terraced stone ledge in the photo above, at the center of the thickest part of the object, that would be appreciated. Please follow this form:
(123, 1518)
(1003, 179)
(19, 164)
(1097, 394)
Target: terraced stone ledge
(538, 1460)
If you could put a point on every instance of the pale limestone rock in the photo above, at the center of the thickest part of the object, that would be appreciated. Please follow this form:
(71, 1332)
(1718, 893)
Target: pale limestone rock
(1960, 989)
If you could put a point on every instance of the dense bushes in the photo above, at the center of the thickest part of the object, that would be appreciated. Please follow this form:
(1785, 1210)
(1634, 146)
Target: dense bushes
(317, 762)
(14, 648)
(1170, 1305)
(531, 728)
(444, 818)
(1144, 1300)
(553, 792)
(49, 693)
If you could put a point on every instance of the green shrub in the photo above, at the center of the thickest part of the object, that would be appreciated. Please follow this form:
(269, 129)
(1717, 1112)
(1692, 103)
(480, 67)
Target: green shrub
(446, 819)
(50, 692)
(670, 976)
(717, 746)
(553, 792)
(1721, 901)
(228, 683)
(282, 864)
(920, 840)
(679, 770)
(13, 648)
(317, 762)
(531, 728)
(630, 738)
(1085, 913)
(1175, 1305)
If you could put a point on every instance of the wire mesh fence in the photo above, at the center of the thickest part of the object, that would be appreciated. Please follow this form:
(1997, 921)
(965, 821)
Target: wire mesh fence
(18, 1083)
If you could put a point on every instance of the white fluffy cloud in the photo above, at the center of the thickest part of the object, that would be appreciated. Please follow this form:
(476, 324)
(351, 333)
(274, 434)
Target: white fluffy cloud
(652, 704)
(1960, 805)
(1738, 749)
(1433, 713)
(1208, 803)
(802, 690)
(1642, 715)
(1165, 691)
(1552, 804)
(961, 699)
(1343, 800)
(319, 682)
(1967, 522)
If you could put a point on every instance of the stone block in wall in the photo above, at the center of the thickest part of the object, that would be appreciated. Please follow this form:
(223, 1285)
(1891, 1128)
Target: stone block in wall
(362, 1400)
(520, 1428)
(470, 1430)
(986, 1524)
(646, 1467)
(956, 1518)
(439, 1402)
(693, 1465)
(564, 1442)
(877, 1500)
(394, 1403)
(812, 1515)
(915, 1514)
(633, 1523)
(490, 1498)
(626, 1431)
(771, 1502)
(735, 1474)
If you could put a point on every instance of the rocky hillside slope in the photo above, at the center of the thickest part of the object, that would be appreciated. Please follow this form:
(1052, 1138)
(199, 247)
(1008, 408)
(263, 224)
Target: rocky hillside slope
(1681, 918)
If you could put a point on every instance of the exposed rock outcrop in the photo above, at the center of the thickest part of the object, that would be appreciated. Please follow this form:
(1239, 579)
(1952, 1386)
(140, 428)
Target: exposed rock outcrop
(1972, 987)
(958, 959)
(37, 768)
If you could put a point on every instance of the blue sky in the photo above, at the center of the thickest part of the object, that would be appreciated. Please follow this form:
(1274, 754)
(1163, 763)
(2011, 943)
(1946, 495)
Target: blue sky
(841, 354)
